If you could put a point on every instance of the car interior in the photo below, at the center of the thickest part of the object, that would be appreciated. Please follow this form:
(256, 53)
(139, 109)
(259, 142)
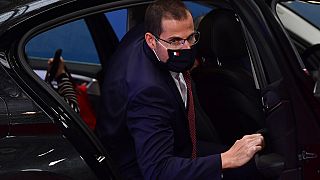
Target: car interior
(223, 80)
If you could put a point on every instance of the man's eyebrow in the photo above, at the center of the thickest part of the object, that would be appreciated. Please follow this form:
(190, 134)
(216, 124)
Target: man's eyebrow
(174, 38)
(178, 38)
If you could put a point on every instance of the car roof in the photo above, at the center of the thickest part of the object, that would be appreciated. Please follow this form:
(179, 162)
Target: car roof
(10, 10)
(9, 3)
(12, 5)
(13, 12)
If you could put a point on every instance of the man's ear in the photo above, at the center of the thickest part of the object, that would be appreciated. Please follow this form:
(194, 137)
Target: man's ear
(151, 41)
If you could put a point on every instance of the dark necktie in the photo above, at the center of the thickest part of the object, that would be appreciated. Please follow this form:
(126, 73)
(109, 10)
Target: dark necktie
(191, 114)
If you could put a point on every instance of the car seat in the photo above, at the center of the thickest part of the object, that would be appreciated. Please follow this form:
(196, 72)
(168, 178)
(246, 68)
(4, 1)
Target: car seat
(223, 80)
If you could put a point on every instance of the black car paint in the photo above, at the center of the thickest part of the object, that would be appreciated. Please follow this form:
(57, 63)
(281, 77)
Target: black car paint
(292, 91)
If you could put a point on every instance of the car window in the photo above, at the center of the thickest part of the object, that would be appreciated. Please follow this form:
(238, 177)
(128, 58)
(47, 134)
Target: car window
(300, 17)
(309, 11)
(197, 11)
(118, 21)
(302, 22)
(75, 35)
(70, 37)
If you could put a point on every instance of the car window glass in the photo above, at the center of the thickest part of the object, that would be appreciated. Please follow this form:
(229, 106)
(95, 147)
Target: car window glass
(70, 37)
(308, 11)
(302, 22)
(299, 18)
(197, 11)
(118, 21)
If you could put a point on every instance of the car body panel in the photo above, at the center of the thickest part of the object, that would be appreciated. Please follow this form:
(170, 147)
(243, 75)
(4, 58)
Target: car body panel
(42, 154)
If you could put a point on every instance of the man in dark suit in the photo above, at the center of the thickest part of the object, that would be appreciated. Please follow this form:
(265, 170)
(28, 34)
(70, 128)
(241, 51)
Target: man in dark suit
(147, 115)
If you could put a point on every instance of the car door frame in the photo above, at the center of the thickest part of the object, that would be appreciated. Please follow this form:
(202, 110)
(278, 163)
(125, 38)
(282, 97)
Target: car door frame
(296, 87)
(308, 130)
(70, 123)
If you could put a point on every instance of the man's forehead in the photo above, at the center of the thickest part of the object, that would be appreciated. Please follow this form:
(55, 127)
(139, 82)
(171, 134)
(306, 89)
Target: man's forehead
(169, 16)
(177, 28)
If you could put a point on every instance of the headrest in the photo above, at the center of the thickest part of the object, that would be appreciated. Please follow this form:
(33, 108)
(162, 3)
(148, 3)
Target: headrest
(221, 36)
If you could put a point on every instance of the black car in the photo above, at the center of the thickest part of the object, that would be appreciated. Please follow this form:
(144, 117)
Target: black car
(43, 138)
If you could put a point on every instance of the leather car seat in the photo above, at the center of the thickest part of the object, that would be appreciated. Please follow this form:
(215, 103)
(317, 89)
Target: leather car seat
(223, 80)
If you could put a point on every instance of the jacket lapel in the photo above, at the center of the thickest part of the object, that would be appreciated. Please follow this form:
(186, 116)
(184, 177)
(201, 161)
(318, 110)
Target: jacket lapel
(172, 85)
(175, 91)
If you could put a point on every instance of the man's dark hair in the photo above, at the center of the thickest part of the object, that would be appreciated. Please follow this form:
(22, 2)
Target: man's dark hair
(167, 9)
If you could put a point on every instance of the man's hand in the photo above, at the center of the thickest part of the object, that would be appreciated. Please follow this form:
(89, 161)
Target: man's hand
(61, 67)
(242, 151)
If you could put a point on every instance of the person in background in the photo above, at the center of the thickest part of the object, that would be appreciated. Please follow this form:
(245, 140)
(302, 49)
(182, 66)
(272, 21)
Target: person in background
(74, 94)
(65, 86)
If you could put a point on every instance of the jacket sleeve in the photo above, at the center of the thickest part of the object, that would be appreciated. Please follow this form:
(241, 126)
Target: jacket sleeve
(149, 122)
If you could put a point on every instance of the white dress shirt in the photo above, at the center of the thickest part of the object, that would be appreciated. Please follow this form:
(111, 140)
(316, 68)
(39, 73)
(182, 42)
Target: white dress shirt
(181, 85)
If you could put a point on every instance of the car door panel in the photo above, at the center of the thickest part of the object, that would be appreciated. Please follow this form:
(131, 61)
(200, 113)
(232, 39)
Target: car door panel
(281, 130)
(33, 143)
(300, 20)
(4, 120)
(52, 155)
(277, 92)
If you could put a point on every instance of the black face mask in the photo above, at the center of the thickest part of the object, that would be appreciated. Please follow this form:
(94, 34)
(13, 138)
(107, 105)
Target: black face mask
(179, 60)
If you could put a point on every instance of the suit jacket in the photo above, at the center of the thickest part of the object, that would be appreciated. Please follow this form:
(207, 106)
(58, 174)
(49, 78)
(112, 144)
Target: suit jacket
(143, 122)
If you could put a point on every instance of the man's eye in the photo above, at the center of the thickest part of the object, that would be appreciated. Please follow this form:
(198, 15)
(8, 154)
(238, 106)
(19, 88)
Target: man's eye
(191, 38)
(175, 41)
